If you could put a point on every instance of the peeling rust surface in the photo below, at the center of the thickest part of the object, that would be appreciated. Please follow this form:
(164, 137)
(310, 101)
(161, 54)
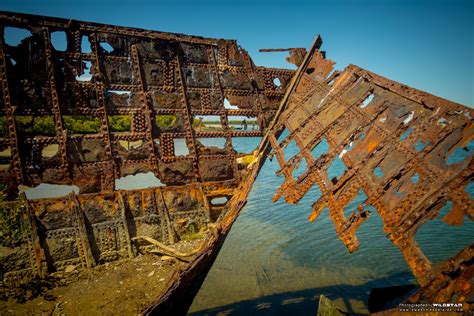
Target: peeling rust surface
(103, 74)
(296, 54)
(395, 144)
(106, 72)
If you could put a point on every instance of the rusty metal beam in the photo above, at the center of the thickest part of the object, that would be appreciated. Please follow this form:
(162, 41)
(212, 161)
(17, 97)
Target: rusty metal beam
(394, 142)
(140, 75)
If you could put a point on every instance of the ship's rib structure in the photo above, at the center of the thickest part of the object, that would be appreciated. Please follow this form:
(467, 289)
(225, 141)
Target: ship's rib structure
(88, 104)
(410, 153)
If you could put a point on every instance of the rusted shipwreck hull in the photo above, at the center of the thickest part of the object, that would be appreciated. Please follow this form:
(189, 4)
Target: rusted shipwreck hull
(398, 145)
(395, 149)
(145, 77)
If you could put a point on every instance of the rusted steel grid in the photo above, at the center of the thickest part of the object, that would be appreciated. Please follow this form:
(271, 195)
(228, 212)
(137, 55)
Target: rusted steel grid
(142, 75)
(395, 144)
(135, 73)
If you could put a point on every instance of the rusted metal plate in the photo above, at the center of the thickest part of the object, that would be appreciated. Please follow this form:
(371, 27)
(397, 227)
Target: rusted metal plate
(101, 75)
(106, 73)
(394, 143)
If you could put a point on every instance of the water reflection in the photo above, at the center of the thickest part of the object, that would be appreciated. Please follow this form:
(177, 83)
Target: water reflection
(273, 254)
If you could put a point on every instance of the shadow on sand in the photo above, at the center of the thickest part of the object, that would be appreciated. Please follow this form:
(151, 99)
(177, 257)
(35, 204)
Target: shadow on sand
(305, 302)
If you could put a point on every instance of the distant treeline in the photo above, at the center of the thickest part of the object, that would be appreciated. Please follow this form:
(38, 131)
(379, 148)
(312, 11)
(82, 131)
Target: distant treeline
(78, 124)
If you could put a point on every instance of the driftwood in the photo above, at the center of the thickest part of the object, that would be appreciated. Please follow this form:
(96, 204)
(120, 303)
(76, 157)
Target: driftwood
(184, 256)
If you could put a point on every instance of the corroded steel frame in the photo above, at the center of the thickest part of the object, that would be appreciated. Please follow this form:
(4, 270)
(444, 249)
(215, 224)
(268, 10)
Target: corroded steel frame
(160, 74)
(395, 142)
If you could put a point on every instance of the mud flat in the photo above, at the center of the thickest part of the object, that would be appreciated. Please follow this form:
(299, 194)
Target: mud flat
(121, 287)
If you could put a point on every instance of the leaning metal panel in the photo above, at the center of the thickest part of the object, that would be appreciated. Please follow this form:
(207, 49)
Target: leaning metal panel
(396, 145)
(106, 102)
(107, 73)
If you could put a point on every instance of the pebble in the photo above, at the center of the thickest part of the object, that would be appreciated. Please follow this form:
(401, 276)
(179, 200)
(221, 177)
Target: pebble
(69, 268)
(151, 273)
(162, 279)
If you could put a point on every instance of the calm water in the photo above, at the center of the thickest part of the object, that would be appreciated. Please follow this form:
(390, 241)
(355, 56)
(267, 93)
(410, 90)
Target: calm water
(274, 261)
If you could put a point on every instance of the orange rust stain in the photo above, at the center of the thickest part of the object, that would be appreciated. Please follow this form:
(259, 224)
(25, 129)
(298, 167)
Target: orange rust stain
(372, 145)
(315, 214)
(341, 80)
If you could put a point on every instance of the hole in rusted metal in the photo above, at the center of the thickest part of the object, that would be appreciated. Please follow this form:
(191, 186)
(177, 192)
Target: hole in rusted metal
(119, 123)
(290, 150)
(180, 147)
(367, 100)
(119, 92)
(443, 122)
(86, 74)
(59, 40)
(207, 123)
(48, 190)
(378, 172)
(336, 169)
(106, 47)
(141, 180)
(277, 82)
(408, 117)
(126, 144)
(50, 151)
(451, 238)
(13, 61)
(38, 125)
(218, 142)
(5, 159)
(461, 153)
(85, 45)
(284, 134)
(406, 134)
(470, 188)
(219, 201)
(415, 178)
(300, 169)
(13, 36)
(245, 144)
(81, 124)
(242, 123)
(320, 149)
(353, 205)
(229, 106)
(165, 121)
(419, 146)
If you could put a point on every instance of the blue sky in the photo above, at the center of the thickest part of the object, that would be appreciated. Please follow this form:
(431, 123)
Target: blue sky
(427, 44)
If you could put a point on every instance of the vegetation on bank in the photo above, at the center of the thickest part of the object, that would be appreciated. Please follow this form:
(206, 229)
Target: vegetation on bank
(11, 229)
(77, 124)
(80, 124)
